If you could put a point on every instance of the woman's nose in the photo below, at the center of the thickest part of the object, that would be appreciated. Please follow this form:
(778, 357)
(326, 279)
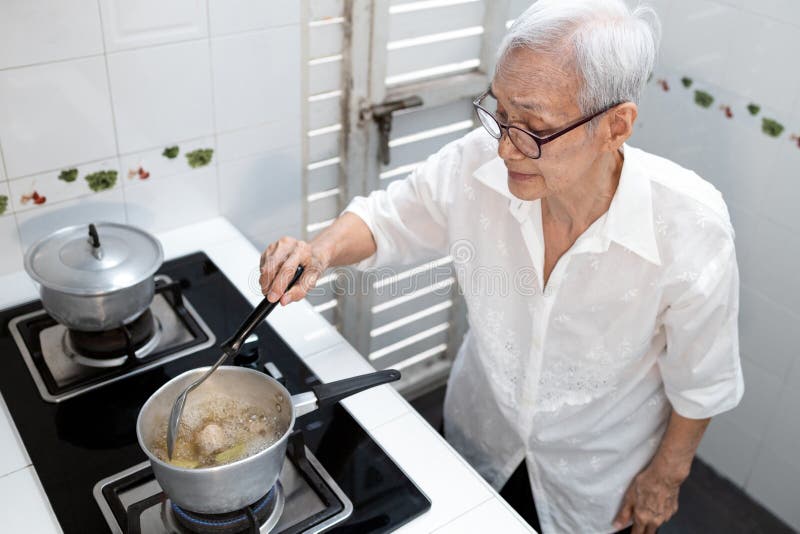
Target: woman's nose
(506, 149)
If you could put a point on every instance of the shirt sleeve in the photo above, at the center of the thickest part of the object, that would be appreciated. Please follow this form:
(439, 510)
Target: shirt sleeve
(701, 368)
(408, 220)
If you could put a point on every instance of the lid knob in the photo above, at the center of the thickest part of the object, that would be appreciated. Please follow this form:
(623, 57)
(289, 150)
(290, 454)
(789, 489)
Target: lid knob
(94, 239)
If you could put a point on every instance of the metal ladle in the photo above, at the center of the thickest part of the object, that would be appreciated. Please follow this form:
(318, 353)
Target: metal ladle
(229, 349)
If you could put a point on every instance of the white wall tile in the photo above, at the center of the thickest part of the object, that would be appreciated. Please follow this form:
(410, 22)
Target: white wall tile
(761, 392)
(149, 22)
(793, 380)
(38, 32)
(783, 434)
(775, 482)
(696, 38)
(783, 192)
(757, 65)
(161, 94)
(740, 160)
(55, 190)
(253, 83)
(11, 258)
(262, 193)
(55, 115)
(160, 203)
(666, 116)
(107, 206)
(745, 225)
(232, 16)
(783, 10)
(259, 139)
(768, 333)
(776, 250)
(729, 449)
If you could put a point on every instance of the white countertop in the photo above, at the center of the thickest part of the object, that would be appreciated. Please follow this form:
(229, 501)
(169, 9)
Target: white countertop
(461, 501)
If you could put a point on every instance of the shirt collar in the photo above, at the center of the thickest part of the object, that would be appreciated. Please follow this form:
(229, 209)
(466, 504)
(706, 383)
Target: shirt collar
(630, 215)
(629, 220)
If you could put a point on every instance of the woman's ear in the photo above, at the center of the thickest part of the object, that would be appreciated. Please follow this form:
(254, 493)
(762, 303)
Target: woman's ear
(620, 120)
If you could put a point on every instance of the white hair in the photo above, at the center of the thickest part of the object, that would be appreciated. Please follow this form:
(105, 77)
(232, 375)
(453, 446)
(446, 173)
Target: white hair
(613, 47)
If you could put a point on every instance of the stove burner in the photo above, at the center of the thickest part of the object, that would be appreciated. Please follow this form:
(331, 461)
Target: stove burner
(260, 516)
(111, 348)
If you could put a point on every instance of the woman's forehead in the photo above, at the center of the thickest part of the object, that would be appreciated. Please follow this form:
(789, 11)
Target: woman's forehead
(543, 100)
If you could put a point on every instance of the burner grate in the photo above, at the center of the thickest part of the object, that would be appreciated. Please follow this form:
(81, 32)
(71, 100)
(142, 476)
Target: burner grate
(112, 344)
(264, 512)
(60, 372)
(307, 499)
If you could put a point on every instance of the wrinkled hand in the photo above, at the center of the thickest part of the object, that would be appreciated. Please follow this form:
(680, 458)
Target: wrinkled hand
(651, 499)
(279, 263)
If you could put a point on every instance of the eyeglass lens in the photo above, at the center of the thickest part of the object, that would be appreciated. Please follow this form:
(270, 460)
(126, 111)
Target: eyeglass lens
(524, 142)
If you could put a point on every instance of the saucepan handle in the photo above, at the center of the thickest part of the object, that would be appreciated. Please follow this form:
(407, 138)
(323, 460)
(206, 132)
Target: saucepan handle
(333, 392)
(328, 394)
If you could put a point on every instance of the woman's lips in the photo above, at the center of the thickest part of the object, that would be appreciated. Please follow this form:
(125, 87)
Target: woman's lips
(520, 177)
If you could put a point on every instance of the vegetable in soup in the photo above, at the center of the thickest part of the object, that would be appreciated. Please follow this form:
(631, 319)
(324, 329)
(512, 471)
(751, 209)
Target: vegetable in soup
(217, 431)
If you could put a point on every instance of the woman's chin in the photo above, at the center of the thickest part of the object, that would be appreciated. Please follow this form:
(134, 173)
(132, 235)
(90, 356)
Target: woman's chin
(529, 189)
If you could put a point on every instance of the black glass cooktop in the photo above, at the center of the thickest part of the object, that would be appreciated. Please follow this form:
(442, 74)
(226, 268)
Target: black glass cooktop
(79, 441)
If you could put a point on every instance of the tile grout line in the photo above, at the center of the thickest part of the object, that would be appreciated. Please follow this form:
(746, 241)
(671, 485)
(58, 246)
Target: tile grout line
(111, 156)
(140, 47)
(17, 470)
(215, 132)
(459, 516)
(113, 112)
(10, 205)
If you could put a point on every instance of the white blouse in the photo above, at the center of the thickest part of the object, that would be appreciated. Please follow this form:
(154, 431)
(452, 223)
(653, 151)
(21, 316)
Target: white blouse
(578, 377)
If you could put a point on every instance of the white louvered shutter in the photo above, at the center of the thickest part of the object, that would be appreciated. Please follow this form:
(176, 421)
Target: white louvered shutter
(365, 52)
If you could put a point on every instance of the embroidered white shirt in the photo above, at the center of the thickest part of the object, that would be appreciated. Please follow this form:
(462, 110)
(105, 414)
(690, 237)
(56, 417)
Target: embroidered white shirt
(578, 377)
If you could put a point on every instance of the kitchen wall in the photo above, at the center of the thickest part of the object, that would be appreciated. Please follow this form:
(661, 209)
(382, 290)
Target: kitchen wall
(154, 113)
(741, 53)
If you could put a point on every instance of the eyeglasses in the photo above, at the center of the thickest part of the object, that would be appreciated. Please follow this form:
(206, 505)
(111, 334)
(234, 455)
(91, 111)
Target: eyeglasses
(526, 142)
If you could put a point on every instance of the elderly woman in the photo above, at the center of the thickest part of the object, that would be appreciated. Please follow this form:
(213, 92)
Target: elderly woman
(587, 387)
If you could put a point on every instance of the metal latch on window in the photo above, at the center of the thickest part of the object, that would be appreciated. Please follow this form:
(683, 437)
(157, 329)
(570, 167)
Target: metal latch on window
(382, 114)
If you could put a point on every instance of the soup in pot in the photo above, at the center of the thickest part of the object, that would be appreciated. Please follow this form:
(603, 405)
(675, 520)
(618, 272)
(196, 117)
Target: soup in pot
(218, 430)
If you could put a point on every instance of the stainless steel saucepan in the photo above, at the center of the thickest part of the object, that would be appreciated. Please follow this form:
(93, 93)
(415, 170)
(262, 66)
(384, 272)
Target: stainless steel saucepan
(95, 277)
(233, 486)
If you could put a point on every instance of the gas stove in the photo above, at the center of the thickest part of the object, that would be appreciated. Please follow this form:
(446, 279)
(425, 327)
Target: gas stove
(305, 499)
(75, 402)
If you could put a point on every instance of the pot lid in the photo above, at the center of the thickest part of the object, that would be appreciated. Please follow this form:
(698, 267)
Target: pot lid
(93, 259)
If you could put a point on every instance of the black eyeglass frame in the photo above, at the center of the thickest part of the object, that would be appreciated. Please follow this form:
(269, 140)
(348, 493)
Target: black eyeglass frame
(536, 139)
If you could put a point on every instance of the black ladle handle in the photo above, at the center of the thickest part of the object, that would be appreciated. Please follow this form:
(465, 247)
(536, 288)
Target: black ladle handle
(234, 343)
(332, 393)
(94, 239)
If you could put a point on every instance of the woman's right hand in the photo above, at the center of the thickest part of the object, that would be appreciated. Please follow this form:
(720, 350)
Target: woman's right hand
(279, 263)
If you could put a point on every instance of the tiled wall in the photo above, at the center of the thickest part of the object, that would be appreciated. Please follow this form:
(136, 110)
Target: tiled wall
(104, 85)
(743, 52)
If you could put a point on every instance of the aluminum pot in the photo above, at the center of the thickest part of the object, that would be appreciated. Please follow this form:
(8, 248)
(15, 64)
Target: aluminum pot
(95, 277)
(229, 487)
